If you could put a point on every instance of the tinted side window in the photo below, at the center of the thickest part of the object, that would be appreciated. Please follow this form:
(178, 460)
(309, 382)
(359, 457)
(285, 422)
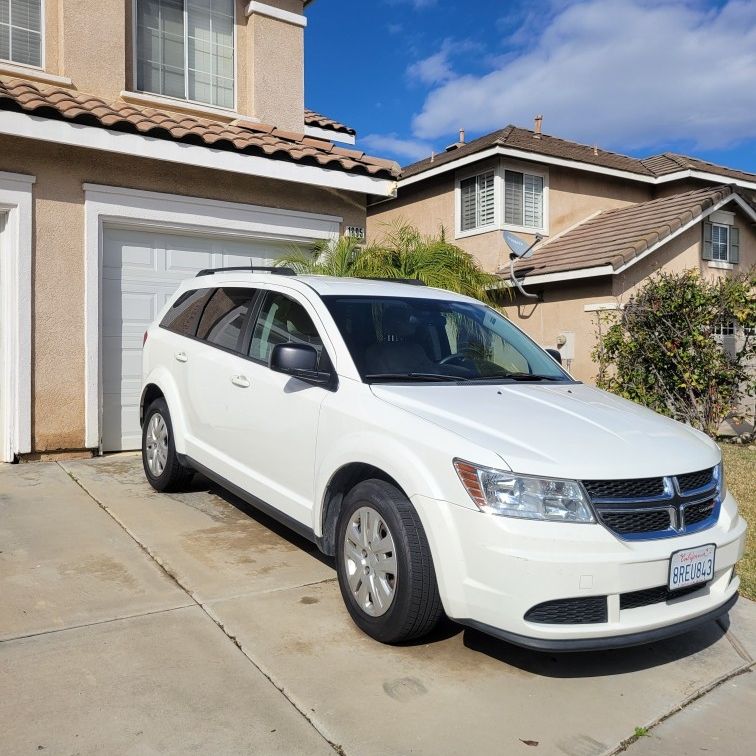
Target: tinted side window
(185, 313)
(223, 320)
(283, 321)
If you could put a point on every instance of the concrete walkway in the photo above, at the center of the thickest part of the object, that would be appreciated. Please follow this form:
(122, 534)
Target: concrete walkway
(134, 622)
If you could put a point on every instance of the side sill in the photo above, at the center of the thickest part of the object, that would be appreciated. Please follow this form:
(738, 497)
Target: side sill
(600, 644)
(298, 527)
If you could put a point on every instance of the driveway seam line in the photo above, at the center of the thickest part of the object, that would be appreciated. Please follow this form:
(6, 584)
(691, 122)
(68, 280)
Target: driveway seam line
(740, 649)
(206, 610)
(269, 591)
(125, 617)
(695, 696)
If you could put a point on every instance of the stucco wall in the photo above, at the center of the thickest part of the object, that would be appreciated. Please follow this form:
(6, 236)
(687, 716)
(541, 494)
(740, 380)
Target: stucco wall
(58, 264)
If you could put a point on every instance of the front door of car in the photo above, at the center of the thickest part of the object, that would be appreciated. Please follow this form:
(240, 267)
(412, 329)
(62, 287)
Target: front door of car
(278, 449)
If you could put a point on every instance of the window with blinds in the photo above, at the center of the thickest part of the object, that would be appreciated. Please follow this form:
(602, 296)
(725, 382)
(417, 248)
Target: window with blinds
(21, 31)
(185, 48)
(477, 205)
(523, 199)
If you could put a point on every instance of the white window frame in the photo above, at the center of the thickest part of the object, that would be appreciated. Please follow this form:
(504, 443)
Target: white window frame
(15, 315)
(727, 252)
(41, 66)
(499, 167)
(473, 172)
(169, 98)
(543, 174)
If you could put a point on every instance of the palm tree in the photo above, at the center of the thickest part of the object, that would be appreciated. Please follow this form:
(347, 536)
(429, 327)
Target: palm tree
(403, 252)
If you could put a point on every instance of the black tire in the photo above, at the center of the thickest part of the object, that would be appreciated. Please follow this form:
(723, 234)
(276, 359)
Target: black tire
(174, 476)
(416, 605)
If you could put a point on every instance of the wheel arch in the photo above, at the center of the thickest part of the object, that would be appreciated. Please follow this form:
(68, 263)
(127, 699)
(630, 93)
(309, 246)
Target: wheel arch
(161, 384)
(339, 485)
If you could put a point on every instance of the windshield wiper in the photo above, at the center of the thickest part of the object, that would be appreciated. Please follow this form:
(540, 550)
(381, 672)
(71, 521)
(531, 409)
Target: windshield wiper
(522, 377)
(419, 377)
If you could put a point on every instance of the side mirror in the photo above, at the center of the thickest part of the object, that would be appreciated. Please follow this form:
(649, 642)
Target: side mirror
(299, 361)
(556, 354)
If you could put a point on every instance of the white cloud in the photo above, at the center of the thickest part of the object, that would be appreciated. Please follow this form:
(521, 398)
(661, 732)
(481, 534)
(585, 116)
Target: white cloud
(392, 144)
(437, 68)
(622, 73)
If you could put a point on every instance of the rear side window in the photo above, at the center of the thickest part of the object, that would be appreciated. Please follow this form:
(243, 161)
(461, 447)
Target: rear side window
(222, 322)
(185, 313)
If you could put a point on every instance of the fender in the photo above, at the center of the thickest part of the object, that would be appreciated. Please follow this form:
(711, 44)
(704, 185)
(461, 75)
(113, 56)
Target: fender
(162, 378)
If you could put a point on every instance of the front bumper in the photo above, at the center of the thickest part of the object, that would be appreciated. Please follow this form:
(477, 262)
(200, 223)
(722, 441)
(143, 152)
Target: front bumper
(491, 570)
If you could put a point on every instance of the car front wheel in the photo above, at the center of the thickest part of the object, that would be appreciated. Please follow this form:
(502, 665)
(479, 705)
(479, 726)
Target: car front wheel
(384, 564)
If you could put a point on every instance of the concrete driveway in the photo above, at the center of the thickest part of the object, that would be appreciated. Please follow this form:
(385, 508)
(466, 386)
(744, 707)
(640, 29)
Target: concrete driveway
(140, 623)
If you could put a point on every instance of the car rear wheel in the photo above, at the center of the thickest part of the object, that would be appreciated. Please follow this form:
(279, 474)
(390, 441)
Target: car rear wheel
(384, 564)
(161, 465)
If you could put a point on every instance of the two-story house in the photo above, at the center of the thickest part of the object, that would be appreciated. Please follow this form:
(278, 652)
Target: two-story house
(608, 221)
(141, 141)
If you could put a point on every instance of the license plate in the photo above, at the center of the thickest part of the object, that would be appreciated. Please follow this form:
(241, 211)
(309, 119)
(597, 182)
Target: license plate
(691, 566)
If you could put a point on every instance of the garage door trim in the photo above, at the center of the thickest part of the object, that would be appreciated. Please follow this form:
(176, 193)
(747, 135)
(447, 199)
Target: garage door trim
(15, 315)
(106, 207)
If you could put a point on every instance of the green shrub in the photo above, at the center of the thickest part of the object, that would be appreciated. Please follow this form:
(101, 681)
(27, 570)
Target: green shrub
(661, 350)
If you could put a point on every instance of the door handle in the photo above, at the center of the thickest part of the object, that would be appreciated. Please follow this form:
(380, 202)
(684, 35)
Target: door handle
(240, 380)
(181, 356)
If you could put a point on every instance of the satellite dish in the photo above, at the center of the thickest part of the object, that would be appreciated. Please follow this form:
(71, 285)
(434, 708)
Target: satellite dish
(520, 250)
(519, 247)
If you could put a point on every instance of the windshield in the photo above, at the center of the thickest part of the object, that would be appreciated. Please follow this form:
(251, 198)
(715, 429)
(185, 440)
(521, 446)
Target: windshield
(433, 340)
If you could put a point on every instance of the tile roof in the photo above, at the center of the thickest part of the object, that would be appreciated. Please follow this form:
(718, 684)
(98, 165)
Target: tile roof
(527, 141)
(242, 136)
(614, 237)
(311, 118)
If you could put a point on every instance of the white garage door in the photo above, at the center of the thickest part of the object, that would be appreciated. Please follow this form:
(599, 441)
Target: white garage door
(141, 269)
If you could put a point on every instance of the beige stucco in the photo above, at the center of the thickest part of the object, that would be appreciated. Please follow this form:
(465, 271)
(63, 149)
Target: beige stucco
(269, 57)
(58, 263)
(276, 79)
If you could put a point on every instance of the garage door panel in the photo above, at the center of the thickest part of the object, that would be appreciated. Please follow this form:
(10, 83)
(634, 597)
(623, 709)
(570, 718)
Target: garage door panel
(141, 270)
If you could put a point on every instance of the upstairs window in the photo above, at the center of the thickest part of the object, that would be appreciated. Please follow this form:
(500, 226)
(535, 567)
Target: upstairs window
(185, 49)
(21, 31)
(721, 243)
(523, 199)
(477, 206)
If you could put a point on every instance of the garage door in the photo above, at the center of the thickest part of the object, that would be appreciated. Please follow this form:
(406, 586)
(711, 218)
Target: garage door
(141, 269)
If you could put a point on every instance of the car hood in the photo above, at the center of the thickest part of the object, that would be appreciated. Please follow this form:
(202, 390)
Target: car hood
(559, 430)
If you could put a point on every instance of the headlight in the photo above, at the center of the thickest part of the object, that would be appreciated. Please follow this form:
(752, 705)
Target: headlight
(505, 493)
(719, 476)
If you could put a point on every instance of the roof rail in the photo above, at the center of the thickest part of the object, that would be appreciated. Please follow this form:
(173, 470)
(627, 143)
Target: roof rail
(273, 270)
(408, 281)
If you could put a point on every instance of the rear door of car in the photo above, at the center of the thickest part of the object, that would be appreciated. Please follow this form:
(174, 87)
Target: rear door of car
(216, 384)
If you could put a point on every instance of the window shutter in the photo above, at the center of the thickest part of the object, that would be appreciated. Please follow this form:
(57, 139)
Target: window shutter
(486, 205)
(513, 197)
(467, 204)
(734, 256)
(532, 201)
(707, 253)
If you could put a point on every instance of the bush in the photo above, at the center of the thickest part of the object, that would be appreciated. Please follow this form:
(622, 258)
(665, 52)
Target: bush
(662, 352)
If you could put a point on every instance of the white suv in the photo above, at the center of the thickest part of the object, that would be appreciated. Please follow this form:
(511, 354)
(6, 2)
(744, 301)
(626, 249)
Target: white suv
(445, 460)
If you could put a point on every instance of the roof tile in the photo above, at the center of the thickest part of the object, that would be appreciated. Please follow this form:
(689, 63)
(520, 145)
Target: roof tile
(241, 135)
(615, 237)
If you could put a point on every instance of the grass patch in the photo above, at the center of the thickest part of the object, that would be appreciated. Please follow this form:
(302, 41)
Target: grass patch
(740, 474)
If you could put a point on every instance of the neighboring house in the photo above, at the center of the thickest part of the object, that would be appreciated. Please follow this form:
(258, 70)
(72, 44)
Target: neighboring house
(140, 142)
(608, 222)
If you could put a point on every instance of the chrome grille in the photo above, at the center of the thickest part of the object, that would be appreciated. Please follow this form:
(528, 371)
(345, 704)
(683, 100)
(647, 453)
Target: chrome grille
(646, 508)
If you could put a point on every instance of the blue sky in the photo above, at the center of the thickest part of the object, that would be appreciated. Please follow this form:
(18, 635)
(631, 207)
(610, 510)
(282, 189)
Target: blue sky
(635, 76)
